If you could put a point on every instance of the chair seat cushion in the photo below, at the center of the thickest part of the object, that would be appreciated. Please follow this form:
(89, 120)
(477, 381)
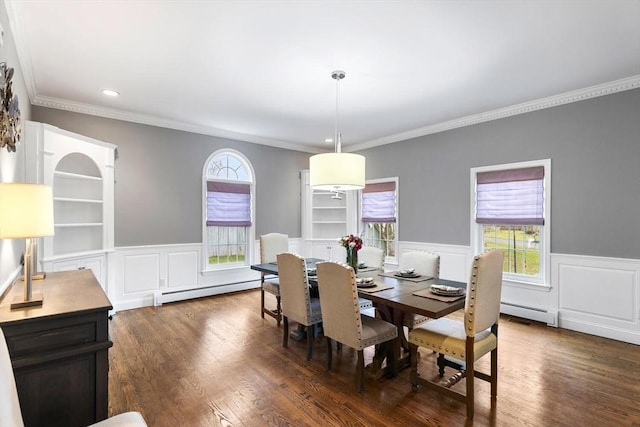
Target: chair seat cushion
(272, 286)
(127, 419)
(411, 320)
(376, 331)
(448, 337)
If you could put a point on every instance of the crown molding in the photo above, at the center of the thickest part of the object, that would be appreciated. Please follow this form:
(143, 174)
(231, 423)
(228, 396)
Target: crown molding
(77, 107)
(22, 51)
(609, 88)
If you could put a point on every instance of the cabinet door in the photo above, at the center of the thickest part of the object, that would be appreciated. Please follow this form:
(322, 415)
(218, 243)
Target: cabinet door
(94, 264)
(328, 250)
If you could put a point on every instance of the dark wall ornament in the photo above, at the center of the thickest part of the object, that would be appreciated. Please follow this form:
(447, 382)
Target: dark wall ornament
(9, 113)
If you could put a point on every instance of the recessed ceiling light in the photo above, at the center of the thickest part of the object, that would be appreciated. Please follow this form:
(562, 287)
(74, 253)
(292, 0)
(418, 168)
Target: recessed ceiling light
(110, 92)
(328, 140)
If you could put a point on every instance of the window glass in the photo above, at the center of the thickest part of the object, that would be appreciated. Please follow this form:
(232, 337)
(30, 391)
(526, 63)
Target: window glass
(379, 215)
(228, 211)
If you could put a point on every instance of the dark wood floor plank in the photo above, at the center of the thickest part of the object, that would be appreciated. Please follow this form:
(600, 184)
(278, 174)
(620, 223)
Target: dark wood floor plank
(215, 362)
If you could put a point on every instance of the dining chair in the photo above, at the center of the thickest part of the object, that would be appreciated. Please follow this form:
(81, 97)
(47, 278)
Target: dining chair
(371, 257)
(270, 246)
(296, 300)
(341, 317)
(424, 264)
(10, 405)
(467, 341)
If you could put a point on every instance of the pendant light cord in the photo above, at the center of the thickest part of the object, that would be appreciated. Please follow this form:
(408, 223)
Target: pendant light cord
(338, 75)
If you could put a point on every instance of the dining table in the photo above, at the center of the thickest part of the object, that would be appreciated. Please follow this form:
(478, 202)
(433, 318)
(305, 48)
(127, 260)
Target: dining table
(393, 298)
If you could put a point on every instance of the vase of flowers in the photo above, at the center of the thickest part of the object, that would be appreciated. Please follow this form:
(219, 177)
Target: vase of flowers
(352, 244)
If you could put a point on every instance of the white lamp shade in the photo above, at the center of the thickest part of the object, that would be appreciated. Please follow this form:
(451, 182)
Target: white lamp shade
(26, 210)
(337, 171)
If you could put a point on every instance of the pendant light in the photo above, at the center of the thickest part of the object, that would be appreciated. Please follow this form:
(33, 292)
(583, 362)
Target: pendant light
(337, 172)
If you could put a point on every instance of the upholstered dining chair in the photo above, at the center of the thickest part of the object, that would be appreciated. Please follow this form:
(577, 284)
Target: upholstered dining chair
(371, 257)
(296, 300)
(425, 264)
(341, 317)
(10, 413)
(465, 341)
(270, 246)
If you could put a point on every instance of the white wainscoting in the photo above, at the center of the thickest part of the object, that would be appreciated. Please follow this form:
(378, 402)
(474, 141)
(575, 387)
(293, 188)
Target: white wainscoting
(599, 296)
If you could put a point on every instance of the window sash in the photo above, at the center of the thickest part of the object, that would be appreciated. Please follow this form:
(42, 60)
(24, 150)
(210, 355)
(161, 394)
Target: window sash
(228, 204)
(514, 196)
(379, 202)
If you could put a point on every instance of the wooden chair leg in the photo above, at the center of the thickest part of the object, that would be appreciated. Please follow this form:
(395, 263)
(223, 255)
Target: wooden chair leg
(470, 377)
(413, 374)
(360, 371)
(285, 336)
(494, 372)
(261, 301)
(328, 354)
(278, 310)
(310, 335)
(441, 364)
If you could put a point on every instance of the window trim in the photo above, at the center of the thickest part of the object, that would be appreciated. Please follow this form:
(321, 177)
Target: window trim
(545, 239)
(206, 267)
(361, 224)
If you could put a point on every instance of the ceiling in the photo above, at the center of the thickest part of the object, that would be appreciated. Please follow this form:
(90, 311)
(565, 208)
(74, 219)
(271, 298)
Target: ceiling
(260, 71)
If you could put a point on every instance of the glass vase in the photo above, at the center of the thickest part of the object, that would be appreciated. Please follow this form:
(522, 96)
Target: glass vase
(352, 259)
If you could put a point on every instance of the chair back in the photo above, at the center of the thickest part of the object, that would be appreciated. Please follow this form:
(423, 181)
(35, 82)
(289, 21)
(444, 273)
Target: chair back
(424, 263)
(482, 306)
(294, 287)
(271, 245)
(371, 257)
(339, 301)
(9, 404)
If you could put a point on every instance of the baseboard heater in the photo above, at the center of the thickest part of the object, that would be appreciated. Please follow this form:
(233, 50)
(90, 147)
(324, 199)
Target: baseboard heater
(531, 313)
(166, 296)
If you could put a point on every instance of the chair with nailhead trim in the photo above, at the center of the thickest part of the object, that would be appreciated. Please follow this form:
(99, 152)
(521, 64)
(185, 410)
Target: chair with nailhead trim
(469, 341)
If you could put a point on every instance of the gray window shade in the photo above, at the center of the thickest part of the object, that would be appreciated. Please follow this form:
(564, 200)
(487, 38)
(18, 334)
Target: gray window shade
(514, 196)
(228, 204)
(379, 202)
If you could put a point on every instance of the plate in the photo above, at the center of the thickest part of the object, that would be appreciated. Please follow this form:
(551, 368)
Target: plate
(362, 265)
(366, 282)
(448, 291)
(406, 274)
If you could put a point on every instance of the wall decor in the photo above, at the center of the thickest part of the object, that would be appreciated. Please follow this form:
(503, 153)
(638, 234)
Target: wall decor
(9, 113)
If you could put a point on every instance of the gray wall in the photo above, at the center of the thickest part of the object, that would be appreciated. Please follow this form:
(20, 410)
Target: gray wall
(594, 147)
(158, 190)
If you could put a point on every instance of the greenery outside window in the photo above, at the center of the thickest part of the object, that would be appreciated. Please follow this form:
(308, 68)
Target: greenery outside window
(379, 216)
(228, 188)
(511, 207)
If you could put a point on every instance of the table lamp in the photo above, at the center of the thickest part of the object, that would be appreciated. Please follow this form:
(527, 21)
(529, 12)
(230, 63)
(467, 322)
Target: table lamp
(26, 212)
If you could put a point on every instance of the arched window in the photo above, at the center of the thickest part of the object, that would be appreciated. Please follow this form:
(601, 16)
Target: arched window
(228, 187)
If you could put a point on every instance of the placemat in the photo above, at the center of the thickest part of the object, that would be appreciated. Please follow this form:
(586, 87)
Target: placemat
(363, 269)
(411, 279)
(428, 294)
(377, 288)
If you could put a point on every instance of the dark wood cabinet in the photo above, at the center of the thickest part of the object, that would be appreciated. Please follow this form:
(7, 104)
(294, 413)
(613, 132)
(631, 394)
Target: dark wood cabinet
(59, 351)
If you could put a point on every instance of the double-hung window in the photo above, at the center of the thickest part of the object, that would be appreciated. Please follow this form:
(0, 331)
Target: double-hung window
(379, 215)
(228, 201)
(511, 214)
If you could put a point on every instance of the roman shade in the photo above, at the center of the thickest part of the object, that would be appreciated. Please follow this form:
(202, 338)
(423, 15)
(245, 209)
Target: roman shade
(379, 202)
(512, 196)
(228, 204)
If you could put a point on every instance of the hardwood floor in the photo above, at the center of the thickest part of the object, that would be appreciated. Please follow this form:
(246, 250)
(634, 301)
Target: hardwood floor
(214, 362)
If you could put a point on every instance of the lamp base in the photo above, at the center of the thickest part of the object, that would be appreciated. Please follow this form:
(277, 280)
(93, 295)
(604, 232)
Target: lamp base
(35, 301)
(36, 276)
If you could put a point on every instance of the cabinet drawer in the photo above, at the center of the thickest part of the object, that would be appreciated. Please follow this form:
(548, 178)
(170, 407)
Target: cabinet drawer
(51, 339)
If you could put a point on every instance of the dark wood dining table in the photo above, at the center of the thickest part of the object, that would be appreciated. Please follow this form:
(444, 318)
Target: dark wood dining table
(392, 305)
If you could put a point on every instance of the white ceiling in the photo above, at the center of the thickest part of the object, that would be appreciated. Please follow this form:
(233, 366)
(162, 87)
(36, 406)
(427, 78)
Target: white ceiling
(260, 71)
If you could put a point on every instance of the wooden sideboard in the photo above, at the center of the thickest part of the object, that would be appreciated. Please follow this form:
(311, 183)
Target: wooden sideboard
(59, 351)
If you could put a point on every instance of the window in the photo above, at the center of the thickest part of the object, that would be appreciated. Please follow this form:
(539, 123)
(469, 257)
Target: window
(511, 214)
(228, 210)
(379, 213)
